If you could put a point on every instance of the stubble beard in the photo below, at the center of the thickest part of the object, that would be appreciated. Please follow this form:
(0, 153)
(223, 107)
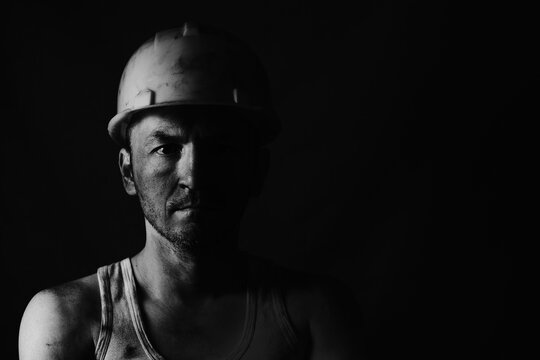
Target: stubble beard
(184, 240)
(192, 238)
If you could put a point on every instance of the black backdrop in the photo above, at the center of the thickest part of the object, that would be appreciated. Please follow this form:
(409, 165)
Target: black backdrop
(391, 172)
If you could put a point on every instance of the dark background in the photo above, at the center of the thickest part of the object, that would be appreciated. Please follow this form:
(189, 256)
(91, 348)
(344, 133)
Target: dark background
(392, 172)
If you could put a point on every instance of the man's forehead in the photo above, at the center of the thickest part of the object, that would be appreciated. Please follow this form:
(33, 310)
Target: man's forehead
(184, 123)
(156, 124)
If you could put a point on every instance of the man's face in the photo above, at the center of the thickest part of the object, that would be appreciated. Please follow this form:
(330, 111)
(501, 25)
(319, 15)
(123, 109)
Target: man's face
(193, 171)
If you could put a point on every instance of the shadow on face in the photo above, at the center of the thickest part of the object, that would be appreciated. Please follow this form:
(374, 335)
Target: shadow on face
(192, 165)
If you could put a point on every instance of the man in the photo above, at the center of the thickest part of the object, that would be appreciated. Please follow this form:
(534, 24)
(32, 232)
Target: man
(193, 118)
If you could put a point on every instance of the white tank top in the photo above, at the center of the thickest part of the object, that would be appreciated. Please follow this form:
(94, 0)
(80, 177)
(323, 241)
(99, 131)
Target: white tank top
(268, 332)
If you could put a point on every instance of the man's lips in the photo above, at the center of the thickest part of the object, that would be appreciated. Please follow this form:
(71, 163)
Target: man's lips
(188, 207)
(194, 203)
(196, 207)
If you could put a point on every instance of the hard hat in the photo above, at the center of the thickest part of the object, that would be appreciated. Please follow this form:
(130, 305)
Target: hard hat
(194, 66)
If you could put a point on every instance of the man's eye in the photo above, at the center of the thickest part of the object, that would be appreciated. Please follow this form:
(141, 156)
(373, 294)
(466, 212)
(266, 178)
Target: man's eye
(168, 149)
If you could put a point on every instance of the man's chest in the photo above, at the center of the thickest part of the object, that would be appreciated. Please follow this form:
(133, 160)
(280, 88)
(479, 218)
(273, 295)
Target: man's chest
(211, 331)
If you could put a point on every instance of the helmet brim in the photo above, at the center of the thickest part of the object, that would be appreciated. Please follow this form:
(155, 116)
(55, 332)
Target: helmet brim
(119, 124)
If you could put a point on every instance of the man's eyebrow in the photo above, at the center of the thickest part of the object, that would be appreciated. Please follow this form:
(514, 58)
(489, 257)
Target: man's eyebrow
(163, 135)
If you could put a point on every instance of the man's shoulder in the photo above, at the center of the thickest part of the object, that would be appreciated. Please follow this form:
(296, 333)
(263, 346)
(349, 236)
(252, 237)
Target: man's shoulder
(75, 292)
(306, 294)
(80, 296)
(62, 320)
(324, 309)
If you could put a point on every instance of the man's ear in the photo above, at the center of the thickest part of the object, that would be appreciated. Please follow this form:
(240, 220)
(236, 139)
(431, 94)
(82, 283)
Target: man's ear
(124, 162)
(260, 171)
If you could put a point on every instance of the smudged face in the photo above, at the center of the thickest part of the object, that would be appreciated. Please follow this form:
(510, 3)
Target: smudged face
(193, 172)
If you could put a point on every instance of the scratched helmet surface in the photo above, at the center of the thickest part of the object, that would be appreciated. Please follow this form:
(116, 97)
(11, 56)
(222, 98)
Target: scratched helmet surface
(194, 65)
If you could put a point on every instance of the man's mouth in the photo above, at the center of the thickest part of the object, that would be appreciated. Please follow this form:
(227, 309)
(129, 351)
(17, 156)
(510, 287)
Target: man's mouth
(195, 207)
(193, 204)
(185, 207)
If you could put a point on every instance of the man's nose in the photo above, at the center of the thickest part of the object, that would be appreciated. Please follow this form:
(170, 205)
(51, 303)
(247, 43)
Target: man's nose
(188, 166)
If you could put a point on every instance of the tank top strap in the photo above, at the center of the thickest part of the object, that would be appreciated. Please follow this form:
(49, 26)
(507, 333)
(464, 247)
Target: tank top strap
(250, 318)
(282, 317)
(270, 279)
(130, 291)
(105, 330)
(118, 337)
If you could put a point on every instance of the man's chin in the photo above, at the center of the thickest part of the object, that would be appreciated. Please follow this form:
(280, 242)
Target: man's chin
(186, 238)
(191, 231)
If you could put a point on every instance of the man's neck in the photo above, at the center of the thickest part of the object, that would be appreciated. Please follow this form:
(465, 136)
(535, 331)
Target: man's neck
(164, 274)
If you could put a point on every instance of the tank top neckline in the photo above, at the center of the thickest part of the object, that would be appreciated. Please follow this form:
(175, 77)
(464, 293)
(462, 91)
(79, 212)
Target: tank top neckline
(130, 290)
